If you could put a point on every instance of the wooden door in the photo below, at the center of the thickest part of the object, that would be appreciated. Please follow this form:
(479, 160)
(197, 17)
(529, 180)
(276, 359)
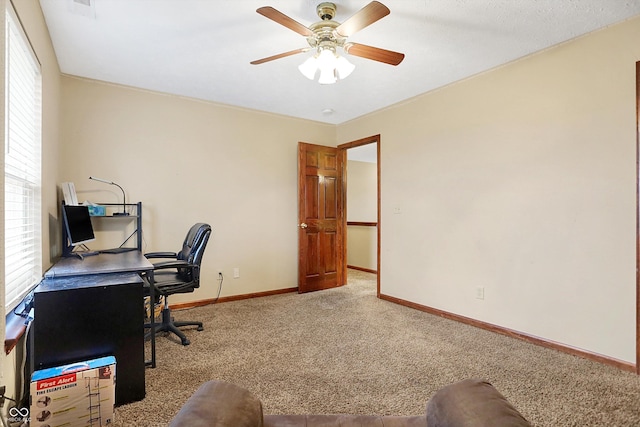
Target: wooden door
(320, 216)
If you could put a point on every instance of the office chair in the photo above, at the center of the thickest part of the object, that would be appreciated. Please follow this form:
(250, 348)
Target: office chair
(180, 275)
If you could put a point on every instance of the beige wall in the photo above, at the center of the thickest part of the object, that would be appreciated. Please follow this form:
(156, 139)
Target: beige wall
(362, 206)
(522, 181)
(362, 247)
(362, 191)
(190, 161)
(33, 22)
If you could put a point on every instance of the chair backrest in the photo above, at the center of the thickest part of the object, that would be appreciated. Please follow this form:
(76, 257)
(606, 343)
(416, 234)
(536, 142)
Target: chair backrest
(192, 251)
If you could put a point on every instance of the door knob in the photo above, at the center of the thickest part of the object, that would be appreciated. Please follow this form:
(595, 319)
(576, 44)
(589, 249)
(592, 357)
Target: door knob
(303, 225)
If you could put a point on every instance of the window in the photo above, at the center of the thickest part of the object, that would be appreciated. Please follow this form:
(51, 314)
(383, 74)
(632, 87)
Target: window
(22, 164)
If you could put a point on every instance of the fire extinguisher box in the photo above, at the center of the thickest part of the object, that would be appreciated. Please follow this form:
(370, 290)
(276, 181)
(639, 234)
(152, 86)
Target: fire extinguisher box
(79, 394)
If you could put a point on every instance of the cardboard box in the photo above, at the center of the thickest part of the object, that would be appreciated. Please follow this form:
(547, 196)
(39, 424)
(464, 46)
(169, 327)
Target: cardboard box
(157, 309)
(77, 395)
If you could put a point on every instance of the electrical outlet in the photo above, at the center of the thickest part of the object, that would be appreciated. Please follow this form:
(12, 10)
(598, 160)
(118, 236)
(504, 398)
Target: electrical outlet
(236, 273)
(480, 292)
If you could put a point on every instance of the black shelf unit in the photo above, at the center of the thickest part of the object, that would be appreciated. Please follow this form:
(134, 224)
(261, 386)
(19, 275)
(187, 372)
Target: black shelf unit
(110, 209)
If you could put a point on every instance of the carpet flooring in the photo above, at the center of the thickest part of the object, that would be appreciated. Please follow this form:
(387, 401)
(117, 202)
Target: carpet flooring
(345, 351)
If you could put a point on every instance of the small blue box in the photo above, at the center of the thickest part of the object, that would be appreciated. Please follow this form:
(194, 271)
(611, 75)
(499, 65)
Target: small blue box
(97, 210)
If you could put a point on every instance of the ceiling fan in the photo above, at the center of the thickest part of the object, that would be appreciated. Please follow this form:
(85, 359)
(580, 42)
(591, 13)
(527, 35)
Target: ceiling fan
(327, 35)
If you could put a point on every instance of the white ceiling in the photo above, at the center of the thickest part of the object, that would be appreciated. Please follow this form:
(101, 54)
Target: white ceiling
(202, 48)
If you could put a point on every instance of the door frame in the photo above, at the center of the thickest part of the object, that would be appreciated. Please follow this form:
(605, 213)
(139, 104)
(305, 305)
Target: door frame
(637, 367)
(342, 151)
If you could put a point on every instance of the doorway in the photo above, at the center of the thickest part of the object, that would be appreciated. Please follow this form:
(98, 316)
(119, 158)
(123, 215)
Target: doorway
(362, 205)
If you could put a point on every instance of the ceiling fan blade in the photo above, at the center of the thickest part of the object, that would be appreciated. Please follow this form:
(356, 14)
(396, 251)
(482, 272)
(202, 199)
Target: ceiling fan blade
(280, 55)
(363, 18)
(282, 19)
(375, 53)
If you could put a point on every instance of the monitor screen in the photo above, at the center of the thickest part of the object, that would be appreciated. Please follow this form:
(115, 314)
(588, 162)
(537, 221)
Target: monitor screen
(78, 224)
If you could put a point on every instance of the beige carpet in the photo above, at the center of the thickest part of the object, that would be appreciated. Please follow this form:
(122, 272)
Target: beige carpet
(345, 351)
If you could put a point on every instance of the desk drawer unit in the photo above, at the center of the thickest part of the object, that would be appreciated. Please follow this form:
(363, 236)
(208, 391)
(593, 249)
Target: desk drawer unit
(87, 317)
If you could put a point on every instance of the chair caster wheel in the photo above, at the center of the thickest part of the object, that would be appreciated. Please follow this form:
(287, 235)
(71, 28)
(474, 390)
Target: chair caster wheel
(200, 328)
(186, 342)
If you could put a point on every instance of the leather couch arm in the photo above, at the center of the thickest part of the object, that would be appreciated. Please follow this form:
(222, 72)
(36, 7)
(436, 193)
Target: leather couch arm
(472, 403)
(220, 404)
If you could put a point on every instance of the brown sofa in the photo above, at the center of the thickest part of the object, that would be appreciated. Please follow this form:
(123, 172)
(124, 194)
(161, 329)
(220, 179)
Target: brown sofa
(469, 403)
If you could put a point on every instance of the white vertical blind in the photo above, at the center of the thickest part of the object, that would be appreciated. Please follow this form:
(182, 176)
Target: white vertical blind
(23, 107)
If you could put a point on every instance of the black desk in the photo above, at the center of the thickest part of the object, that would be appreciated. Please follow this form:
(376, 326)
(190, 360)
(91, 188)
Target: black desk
(90, 308)
(86, 317)
(124, 262)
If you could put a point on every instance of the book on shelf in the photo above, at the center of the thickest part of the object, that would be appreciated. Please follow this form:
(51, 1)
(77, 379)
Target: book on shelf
(69, 193)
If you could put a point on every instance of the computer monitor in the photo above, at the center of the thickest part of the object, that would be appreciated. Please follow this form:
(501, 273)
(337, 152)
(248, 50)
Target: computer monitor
(78, 224)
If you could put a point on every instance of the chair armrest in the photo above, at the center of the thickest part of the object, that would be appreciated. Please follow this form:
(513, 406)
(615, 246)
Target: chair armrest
(161, 255)
(171, 264)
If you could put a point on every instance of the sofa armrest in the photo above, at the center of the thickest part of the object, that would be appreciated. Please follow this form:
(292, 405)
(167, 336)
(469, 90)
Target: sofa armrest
(472, 403)
(220, 404)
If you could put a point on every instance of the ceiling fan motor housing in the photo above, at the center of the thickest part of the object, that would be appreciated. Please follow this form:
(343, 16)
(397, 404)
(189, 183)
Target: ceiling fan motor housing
(324, 34)
(326, 11)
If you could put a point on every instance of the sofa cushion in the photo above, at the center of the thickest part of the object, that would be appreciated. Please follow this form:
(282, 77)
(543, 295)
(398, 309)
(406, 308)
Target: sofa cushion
(472, 403)
(220, 404)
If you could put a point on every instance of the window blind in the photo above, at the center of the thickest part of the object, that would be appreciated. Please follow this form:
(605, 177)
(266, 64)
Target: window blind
(22, 165)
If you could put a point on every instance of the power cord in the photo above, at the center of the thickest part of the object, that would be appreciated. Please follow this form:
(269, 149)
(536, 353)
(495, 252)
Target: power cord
(23, 385)
(220, 280)
(25, 306)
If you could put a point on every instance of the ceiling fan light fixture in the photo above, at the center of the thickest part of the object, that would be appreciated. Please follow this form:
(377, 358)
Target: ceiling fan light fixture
(326, 58)
(332, 67)
(327, 76)
(309, 68)
(344, 67)
(327, 64)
